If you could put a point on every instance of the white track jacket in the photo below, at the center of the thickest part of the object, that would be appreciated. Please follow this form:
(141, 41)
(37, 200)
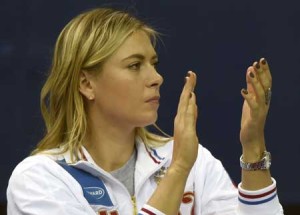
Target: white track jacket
(47, 185)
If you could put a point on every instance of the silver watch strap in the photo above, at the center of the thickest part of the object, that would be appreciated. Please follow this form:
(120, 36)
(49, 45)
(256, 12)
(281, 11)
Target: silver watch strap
(263, 164)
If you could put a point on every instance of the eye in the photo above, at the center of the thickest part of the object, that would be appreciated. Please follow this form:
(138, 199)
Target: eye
(155, 64)
(135, 66)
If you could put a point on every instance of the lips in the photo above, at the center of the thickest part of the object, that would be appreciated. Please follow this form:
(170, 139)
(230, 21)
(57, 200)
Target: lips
(154, 99)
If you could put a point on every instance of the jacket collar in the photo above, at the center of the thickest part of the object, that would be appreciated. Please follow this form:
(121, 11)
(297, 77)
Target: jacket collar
(150, 161)
(148, 158)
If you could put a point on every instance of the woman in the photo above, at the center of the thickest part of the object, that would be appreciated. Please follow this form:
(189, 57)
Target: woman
(98, 158)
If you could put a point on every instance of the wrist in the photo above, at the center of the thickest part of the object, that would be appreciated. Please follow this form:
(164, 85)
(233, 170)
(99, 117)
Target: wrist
(263, 163)
(252, 152)
(178, 170)
(253, 155)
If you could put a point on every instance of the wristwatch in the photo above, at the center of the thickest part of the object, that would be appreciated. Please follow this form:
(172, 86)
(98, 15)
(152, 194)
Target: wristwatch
(263, 164)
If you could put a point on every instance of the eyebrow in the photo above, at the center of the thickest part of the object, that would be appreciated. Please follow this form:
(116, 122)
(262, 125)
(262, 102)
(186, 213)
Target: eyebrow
(139, 56)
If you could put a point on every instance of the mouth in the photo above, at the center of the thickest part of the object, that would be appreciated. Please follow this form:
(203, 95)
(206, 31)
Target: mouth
(154, 99)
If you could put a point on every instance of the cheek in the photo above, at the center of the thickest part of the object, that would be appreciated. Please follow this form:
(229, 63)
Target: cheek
(122, 93)
(130, 87)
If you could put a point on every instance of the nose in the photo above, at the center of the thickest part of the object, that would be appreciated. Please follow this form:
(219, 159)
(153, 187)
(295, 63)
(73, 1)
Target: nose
(156, 79)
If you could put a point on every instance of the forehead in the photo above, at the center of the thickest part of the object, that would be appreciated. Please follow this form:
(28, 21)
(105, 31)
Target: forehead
(137, 43)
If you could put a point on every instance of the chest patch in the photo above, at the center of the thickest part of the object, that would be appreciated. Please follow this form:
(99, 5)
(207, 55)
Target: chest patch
(93, 187)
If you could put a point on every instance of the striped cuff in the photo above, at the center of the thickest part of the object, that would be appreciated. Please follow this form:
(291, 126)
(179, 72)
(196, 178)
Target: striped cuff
(259, 202)
(148, 210)
(257, 197)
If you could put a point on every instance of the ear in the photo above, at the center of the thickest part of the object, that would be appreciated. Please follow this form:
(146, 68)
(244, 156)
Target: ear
(85, 85)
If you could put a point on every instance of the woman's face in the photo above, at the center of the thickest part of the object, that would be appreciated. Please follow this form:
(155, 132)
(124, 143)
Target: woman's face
(127, 89)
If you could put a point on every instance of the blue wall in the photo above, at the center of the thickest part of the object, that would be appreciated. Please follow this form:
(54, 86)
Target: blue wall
(217, 39)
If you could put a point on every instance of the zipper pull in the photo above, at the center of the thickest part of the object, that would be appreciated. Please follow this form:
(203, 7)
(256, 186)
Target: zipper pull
(133, 199)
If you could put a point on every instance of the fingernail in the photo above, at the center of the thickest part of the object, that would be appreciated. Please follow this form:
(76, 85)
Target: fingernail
(188, 74)
(264, 62)
(257, 66)
(245, 91)
(252, 75)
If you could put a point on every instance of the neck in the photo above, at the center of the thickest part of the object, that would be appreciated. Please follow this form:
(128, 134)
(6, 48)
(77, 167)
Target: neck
(109, 145)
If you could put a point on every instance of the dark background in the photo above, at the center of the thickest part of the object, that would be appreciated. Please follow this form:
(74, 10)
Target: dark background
(217, 39)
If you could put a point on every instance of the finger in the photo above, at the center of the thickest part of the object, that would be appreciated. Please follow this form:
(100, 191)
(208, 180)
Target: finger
(191, 113)
(265, 66)
(263, 75)
(256, 86)
(250, 88)
(250, 99)
(183, 100)
(190, 81)
(194, 81)
(193, 78)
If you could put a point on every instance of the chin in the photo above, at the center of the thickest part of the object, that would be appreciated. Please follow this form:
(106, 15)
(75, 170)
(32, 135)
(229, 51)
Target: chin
(148, 121)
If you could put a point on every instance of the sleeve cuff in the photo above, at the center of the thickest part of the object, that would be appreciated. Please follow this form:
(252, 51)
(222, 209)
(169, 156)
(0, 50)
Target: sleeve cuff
(262, 201)
(255, 197)
(149, 210)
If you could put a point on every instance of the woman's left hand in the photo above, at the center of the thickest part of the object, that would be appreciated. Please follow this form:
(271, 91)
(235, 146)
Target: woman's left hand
(255, 108)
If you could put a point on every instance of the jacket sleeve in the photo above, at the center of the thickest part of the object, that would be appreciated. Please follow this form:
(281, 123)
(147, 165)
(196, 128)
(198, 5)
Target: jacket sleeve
(263, 201)
(149, 210)
(35, 188)
(216, 194)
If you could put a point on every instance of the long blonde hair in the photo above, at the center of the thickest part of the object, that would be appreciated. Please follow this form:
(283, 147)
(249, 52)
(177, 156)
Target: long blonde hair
(83, 45)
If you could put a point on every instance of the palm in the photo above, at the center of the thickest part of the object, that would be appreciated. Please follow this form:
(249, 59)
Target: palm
(251, 124)
(254, 111)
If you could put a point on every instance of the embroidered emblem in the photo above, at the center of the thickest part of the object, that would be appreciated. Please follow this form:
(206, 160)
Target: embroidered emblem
(96, 192)
(158, 176)
(93, 188)
(114, 212)
(188, 203)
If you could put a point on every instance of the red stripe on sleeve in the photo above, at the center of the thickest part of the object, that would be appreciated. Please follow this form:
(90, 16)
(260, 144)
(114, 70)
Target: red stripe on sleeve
(147, 211)
(257, 196)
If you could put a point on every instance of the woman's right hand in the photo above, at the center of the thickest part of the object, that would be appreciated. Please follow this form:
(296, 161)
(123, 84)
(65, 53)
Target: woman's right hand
(168, 195)
(185, 137)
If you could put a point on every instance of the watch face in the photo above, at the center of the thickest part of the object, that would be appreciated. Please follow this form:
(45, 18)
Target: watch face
(268, 164)
(268, 159)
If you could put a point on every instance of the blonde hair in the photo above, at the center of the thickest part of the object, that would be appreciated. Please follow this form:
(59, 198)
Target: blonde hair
(83, 45)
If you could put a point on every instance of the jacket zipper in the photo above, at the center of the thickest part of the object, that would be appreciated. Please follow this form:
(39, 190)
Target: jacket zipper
(133, 199)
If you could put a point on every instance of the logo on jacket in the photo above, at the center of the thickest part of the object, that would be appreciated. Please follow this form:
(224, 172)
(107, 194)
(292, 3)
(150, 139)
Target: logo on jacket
(96, 192)
(158, 175)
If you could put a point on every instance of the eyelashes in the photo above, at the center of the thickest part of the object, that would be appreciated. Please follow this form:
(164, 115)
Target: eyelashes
(155, 64)
(137, 65)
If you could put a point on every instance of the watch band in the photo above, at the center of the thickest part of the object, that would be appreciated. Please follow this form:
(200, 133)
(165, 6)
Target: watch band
(263, 164)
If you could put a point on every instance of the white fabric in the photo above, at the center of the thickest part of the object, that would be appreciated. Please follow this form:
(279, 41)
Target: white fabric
(38, 185)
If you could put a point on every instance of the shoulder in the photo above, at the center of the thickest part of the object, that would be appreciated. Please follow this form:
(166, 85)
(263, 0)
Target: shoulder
(207, 162)
(32, 170)
(40, 175)
(36, 162)
(40, 180)
(36, 169)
